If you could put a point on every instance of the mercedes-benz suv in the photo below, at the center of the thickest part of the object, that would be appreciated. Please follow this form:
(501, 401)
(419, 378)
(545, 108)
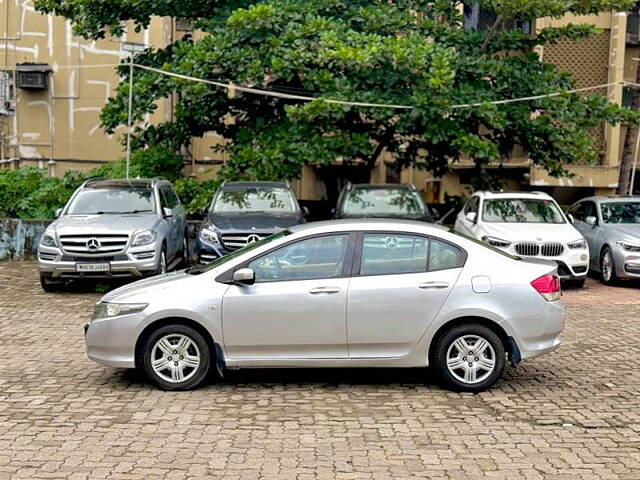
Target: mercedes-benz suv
(114, 228)
(243, 213)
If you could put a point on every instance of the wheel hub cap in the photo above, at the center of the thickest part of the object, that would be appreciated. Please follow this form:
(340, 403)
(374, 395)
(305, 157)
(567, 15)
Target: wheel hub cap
(471, 359)
(175, 358)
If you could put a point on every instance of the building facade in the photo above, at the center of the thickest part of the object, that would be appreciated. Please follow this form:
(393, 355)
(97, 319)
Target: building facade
(53, 85)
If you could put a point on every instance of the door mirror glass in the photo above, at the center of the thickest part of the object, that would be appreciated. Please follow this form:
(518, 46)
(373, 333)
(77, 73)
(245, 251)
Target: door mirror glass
(591, 221)
(305, 211)
(167, 212)
(244, 276)
(58, 212)
(471, 216)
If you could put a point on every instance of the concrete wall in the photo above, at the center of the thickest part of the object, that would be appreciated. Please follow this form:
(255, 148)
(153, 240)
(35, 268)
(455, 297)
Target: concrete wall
(19, 238)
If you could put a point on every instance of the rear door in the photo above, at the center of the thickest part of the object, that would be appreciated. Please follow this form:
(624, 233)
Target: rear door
(400, 282)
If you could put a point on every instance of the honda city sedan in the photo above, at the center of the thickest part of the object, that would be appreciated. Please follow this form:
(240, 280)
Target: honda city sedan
(347, 293)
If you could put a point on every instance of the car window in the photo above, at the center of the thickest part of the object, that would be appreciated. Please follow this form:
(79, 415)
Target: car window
(472, 205)
(589, 210)
(521, 210)
(444, 256)
(255, 200)
(314, 258)
(621, 212)
(112, 201)
(168, 198)
(390, 253)
(578, 211)
(383, 201)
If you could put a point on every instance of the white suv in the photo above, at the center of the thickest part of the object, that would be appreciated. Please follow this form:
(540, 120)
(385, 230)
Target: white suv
(527, 225)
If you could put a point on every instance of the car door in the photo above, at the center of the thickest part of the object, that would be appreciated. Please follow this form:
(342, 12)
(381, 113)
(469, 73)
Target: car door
(580, 212)
(297, 307)
(171, 222)
(463, 224)
(400, 284)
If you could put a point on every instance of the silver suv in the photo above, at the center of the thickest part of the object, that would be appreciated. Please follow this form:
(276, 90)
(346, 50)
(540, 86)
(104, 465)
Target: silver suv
(113, 229)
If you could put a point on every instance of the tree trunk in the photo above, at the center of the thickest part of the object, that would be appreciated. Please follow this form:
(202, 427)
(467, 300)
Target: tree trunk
(629, 150)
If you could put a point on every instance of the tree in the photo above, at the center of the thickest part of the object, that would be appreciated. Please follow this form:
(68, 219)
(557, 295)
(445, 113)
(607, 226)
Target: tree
(403, 52)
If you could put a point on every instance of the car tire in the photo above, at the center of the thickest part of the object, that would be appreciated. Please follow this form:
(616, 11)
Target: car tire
(608, 267)
(185, 249)
(577, 284)
(476, 368)
(176, 357)
(49, 285)
(162, 262)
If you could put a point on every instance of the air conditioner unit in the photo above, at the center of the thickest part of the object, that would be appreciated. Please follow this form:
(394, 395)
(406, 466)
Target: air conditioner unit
(184, 25)
(32, 76)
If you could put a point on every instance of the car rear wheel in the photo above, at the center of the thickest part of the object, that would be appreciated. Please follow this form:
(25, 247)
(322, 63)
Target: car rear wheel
(162, 262)
(608, 267)
(176, 357)
(469, 357)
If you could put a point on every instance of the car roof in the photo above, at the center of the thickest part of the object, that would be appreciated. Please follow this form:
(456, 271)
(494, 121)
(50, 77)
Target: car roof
(241, 185)
(381, 186)
(122, 182)
(611, 199)
(515, 194)
(366, 224)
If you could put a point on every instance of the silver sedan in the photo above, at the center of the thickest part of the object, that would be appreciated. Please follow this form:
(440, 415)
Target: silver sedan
(360, 293)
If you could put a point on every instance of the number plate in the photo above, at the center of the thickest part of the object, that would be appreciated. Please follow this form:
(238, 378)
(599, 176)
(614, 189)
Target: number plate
(92, 267)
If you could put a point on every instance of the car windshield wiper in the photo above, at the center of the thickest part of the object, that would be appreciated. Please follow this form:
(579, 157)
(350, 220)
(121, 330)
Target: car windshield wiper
(135, 211)
(119, 213)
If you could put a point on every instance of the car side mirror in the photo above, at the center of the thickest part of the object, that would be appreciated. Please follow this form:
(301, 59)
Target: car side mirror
(471, 216)
(58, 212)
(244, 276)
(305, 212)
(593, 221)
(570, 218)
(167, 212)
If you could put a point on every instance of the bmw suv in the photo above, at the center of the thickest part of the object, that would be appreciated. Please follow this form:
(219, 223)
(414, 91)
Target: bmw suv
(113, 229)
(243, 213)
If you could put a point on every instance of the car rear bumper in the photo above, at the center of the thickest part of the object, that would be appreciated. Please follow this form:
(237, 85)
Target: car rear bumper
(547, 339)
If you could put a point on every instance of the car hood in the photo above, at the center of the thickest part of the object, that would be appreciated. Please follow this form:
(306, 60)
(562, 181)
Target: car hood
(258, 222)
(624, 231)
(139, 288)
(538, 232)
(89, 224)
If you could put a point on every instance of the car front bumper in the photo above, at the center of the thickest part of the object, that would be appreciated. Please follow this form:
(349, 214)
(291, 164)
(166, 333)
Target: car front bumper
(112, 341)
(627, 263)
(572, 264)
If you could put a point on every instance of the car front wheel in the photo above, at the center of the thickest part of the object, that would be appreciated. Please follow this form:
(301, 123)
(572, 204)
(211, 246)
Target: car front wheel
(608, 267)
(50, 286)
(469, 357)
(176, 357)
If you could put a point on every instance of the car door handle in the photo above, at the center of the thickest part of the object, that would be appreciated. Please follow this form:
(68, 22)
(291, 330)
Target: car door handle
(324, 291)
(433, 285)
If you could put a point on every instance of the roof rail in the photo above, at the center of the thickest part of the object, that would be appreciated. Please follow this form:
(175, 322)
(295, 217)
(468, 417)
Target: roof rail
(88, 181)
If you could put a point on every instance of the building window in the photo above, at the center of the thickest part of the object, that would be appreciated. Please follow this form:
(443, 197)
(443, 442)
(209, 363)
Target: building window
(478, 18)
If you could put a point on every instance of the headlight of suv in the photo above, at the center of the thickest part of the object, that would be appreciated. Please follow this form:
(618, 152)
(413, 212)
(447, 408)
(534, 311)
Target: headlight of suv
(108, 310)
(144, 238)
(578, 245)
(209, 235)
(629, 247)
(48, 240)
(496, 242)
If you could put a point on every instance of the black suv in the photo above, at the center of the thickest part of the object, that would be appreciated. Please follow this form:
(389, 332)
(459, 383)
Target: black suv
(242, 213)
(382, 201)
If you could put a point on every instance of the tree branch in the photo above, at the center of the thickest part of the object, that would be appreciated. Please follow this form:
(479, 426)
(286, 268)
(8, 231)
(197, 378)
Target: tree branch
(492, 33)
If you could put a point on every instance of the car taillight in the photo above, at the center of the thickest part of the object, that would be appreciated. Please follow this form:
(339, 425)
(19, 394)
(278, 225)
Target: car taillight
(548, 286)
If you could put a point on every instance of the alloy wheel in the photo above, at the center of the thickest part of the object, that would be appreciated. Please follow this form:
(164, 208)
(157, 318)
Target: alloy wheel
(471, 359)
(607, 266)
(163, 263)
(175, 358)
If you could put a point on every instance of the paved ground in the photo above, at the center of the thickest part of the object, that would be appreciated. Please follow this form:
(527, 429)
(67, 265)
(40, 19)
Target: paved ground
(574, 414)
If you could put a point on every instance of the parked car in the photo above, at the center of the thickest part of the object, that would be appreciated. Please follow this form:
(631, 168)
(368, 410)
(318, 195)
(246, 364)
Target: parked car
(428, 297)
(530, 225)
(611, 227)
(113, 229)
(382, 201)
(242, 213)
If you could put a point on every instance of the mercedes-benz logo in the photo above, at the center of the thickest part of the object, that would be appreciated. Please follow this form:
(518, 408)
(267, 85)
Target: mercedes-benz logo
(93, 244)
(253, 239)
(391, 242)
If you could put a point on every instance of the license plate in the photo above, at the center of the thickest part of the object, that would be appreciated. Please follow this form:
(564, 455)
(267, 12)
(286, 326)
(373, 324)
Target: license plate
(92, 267)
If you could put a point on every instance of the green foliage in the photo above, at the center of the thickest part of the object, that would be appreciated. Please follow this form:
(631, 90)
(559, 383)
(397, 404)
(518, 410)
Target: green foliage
(408, 52)
(196, 195)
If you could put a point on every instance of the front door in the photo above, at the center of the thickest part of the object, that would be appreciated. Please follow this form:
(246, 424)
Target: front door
(297, 307)
(403, 282)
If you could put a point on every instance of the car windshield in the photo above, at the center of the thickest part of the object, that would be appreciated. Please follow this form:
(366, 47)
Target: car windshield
(383, 201)
(112, 201)
(621, 212)
(197, 269)
(254, 200)
(521, 210)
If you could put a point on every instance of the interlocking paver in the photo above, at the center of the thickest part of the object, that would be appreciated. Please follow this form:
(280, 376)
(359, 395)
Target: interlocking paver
(571, 415)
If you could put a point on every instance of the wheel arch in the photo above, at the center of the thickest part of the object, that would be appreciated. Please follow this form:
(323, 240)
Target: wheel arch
(509, 343)
(187, 322)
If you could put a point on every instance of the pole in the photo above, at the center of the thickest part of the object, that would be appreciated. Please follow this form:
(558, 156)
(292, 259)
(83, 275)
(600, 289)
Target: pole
(130, 113)
(635, 163)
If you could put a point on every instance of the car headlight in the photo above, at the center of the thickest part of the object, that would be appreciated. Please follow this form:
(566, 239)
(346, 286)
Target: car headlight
(108, 310)
(496, 242)
(48, 240)
(144, 238)
(629, 247)
(209, 235)
(578, 244)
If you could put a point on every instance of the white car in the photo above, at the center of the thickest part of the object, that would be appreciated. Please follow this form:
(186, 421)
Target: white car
(527, 225)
